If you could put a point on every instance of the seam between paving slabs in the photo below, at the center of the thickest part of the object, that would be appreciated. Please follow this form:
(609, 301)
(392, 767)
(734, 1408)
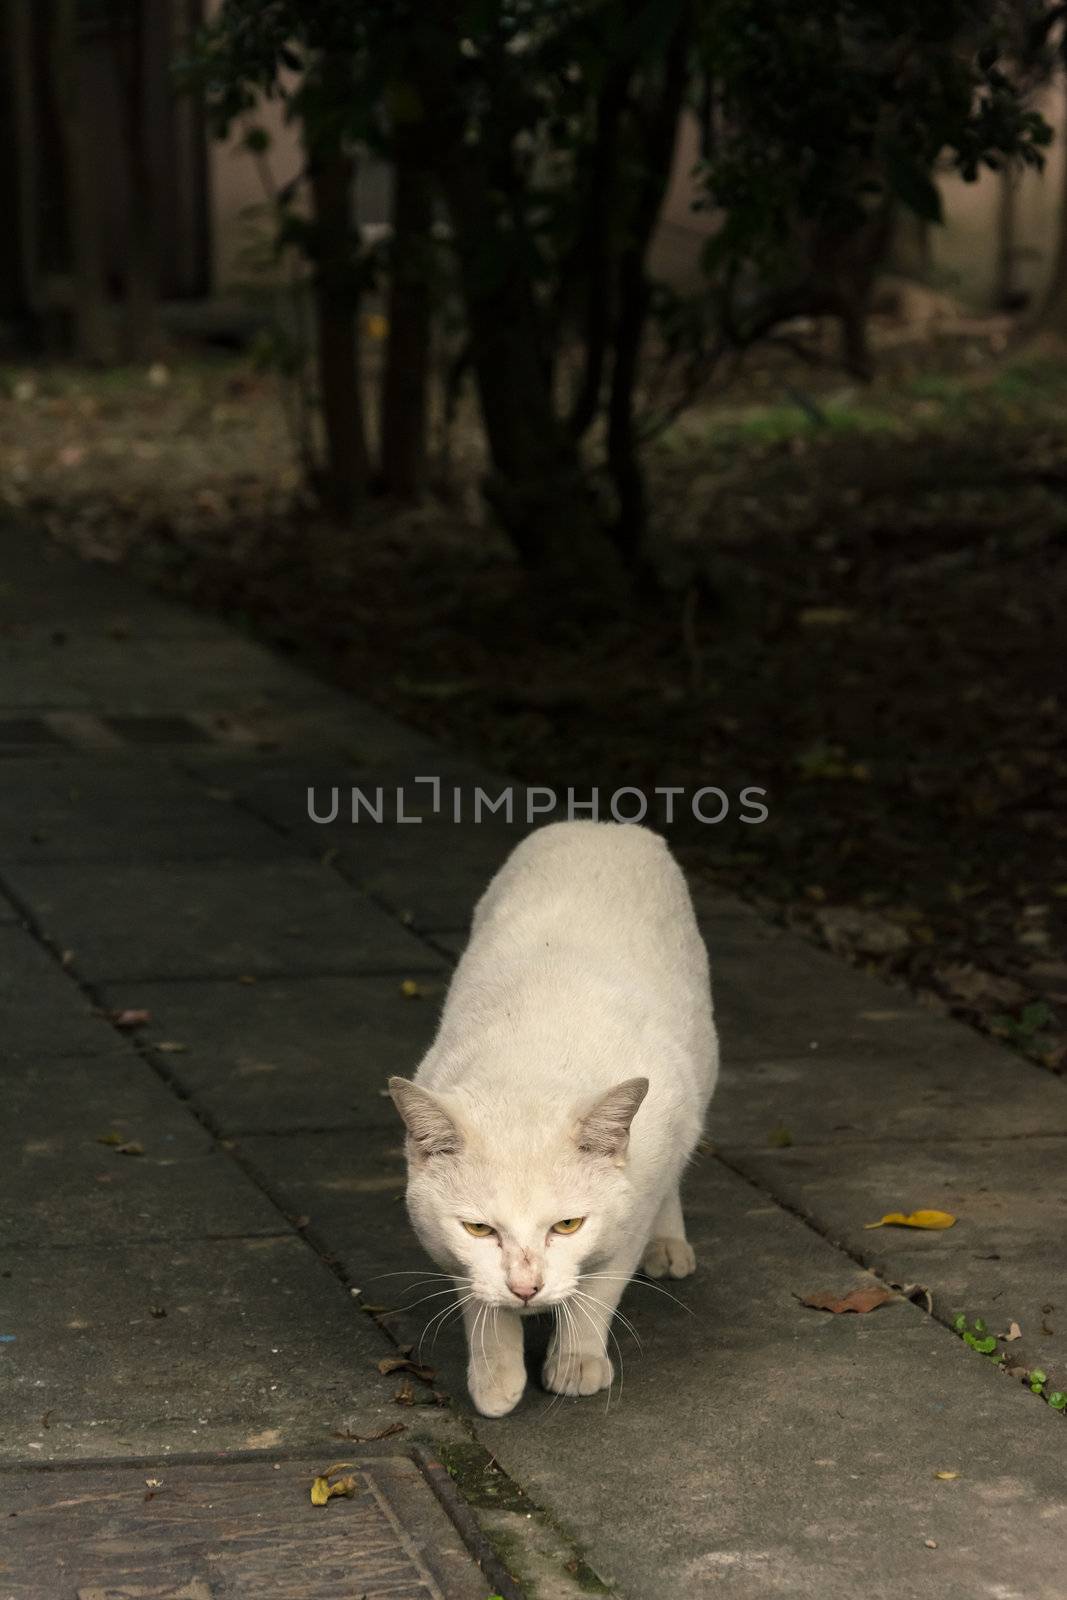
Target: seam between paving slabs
(480, 1542)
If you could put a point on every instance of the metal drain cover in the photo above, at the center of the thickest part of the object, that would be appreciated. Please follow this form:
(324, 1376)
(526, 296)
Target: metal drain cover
(244, 1530)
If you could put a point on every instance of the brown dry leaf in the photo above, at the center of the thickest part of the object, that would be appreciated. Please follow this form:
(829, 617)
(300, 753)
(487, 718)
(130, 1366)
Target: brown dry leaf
(130, 1018)
(860, 1300)
(1014, 1332)
(405, 1395)
(914, 1219)
(389, 1364)
(372, 1438)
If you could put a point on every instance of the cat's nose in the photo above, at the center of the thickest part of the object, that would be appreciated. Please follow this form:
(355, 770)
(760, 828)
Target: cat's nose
(525, 1293)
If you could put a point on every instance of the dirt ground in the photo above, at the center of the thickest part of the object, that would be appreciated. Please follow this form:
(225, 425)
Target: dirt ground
(878, 643)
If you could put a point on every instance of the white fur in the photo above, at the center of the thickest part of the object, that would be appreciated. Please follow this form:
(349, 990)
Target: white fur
(585, 974)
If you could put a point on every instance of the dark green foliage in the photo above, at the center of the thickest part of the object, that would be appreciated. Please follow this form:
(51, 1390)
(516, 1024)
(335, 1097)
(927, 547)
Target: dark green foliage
(547, 128)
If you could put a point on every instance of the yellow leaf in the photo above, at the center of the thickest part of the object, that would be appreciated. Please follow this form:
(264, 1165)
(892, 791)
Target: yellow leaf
(946, 1477)
(323, 1490)
(914, 1219)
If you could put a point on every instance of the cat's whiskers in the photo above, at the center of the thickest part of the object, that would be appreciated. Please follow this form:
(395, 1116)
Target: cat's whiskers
(444, 1321)
(409, 1305)
(641, 1283)
(612, 1312)
(416, 1272)
(441, 1317)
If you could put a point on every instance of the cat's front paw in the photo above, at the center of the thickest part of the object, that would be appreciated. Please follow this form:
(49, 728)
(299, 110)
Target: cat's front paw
(569, 1371)
(668, 1258)
(496, 1388)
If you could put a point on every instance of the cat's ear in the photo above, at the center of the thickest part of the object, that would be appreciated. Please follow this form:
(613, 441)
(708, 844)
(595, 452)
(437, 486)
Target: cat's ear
(429, 1125)
(604, 1129)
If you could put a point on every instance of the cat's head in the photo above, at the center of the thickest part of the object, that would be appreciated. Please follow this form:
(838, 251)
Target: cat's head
(518, 1205)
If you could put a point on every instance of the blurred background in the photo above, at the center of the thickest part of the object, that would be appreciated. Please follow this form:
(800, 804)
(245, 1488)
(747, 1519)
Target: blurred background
(625, 392)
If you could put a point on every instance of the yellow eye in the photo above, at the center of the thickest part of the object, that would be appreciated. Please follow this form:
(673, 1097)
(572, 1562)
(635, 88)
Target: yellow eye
(568, 1225)
(480, 1230)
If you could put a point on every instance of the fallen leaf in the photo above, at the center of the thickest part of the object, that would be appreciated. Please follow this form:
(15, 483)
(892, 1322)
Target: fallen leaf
(824, 616)
(323, 1491)
(1014, 1332)
(405, 1395)
(855, 1300)
(130, 1018)
(946, 1477)
(931, 1544)
(371, 1438)
(914, 1219)
(389, 1364)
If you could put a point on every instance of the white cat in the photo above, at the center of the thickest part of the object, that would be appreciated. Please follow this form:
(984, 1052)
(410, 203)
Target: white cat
(581, 1006)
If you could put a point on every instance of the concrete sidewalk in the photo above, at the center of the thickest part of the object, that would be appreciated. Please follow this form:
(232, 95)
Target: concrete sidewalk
(198, 1214)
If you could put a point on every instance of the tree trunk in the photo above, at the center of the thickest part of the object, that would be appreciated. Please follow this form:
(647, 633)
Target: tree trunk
(92, 323)
(1052, 317)
(624, 462)
(21, 263)
(407, 357)
(343, 477)
(142, 269)
(538, 486)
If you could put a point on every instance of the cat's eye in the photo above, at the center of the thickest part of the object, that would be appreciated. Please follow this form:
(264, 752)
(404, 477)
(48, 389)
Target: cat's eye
(568, 1225)
(480, 1230)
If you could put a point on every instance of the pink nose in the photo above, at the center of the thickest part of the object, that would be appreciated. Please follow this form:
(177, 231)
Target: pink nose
(525, 1292)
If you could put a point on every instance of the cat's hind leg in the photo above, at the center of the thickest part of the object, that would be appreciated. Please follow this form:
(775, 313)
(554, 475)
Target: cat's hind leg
(496, 1367)
(668, 1253)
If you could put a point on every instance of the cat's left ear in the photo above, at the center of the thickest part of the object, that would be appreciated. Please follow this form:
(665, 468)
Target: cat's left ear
(604, 1129)
(430, 1128)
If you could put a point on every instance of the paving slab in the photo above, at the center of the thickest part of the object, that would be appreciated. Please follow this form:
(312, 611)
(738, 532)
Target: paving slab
(127, 675)
(926, 1080)
(101, 1149)
(428, 870)
(246, 1529)
(757, 1448)
(150, 921)
(1005, 1259)
(259, 1348)
(44, 1012)
(77, 808)
(44, 588)
(286, 1054)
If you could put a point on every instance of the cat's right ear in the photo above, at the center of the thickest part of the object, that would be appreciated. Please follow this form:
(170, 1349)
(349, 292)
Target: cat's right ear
(604, 1127)
(430, 1128)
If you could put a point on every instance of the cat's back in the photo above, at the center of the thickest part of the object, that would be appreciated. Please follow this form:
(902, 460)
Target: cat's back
(585, 941)
(597, 884)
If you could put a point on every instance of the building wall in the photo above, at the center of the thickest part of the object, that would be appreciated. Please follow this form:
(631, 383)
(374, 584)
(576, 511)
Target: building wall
(963, 252)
